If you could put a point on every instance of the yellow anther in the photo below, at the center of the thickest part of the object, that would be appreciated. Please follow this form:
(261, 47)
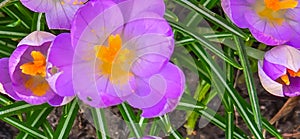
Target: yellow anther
(285, 79)
(276, 5)
(37, 66)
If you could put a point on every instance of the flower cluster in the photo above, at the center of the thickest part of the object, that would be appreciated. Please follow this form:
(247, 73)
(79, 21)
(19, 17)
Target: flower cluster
(117, 51)
(273, 22)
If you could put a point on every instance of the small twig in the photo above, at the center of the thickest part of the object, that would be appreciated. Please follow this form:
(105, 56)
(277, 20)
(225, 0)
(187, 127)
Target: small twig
(3, 3)
(286, 109)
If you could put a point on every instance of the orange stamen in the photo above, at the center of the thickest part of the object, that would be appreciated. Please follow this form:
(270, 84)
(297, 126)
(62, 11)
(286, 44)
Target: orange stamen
(115, 61)
(293, 73)
(285, 79)
(37, 67)
(276, 5)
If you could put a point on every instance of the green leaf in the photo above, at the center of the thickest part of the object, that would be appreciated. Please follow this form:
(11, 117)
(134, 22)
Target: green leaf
(214, 18)
(66, 121)
(48, 129)
(100, 123)
(220, 82)
(37, 119)
(21, 126)
(6, 32)
(19, 107)
(249, 82)
(5, 101)
(131, 120)
(210, 115)
(205, 43)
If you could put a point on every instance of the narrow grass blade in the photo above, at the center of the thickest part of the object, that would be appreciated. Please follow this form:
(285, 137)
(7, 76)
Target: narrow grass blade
(48, 129)
(249, 82)
(227, 100)
(237, 99)
(131, 120)
(205, 43)
(5, 101)
(66, 121)
(210, 115)
(37, 119)
(19, 107)
(218, 20)
(100, 123)
(21, 126)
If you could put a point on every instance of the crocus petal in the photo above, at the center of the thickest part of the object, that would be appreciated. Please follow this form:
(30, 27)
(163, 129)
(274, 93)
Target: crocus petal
(5, 81)
(132, 8)
(274, 71)
(98, 92)
(284, 55)
(268, 32)
(163, 107)
(61, 16)
(294, 23)
(75, 2)
(293, 89)
(37, 38)
(94, 23)
(236, 9)
(160, 90)
(59, 13)
(152, 50)
(60, 56)
(59, 101)
(108, 94)
(146, 24)
(146, 94)
(270, 85)
(39, 5)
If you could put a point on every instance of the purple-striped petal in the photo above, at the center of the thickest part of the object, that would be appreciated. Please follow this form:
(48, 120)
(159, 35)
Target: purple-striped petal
(235, 10)
(159, 93)
(274, 71)
(270, 85)
(5, 81)
(293, 89)
(284, 55)
(60, 58)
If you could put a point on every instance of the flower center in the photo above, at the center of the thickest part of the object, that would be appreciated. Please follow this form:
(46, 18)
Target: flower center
(115, 62)
(37, 71)
(274, 10)
(285, 79)
(276, 5)
(37, 66)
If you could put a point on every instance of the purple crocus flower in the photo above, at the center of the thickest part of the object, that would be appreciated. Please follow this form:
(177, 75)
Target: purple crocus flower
(273, 22)
(25, 71)
(59, 13)
(279, 72)
(122, 52)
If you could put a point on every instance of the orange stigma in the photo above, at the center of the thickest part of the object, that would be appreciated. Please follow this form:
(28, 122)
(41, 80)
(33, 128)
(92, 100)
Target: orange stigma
(115, 61)
(294, 74)
(285, 79)
(37, 71)
(37, 67)
(276, 5)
